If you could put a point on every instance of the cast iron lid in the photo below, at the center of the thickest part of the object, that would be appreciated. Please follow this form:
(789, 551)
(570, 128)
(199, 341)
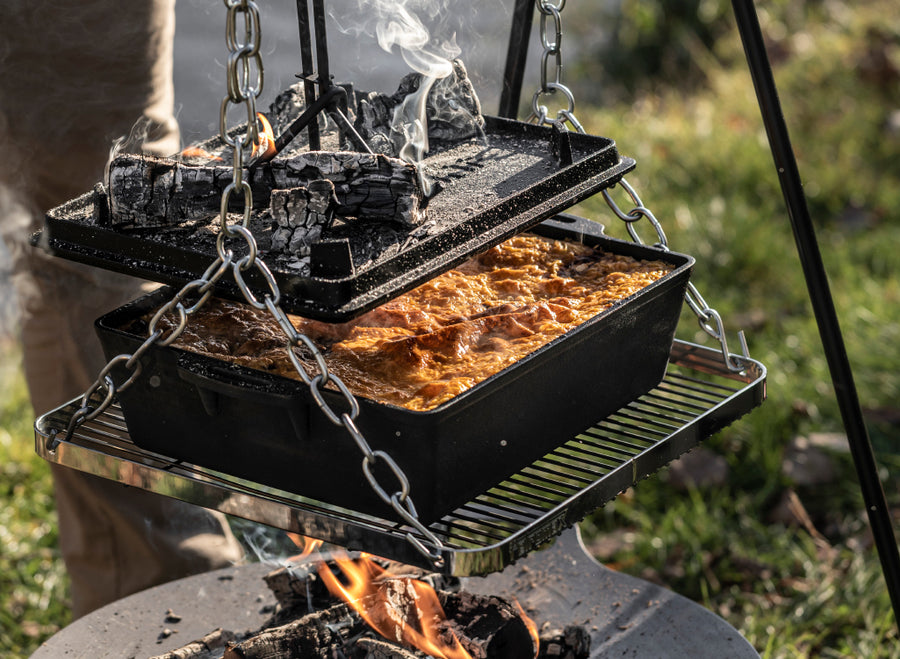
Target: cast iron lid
(489, 191)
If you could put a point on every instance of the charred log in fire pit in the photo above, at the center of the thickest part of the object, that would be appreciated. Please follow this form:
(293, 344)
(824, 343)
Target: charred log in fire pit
(389, 614)
(570, 597)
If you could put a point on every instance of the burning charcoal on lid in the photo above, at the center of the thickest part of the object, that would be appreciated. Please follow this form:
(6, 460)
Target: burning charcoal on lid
(452, 109)
(476, 181)
(146, 191)
(300, 216)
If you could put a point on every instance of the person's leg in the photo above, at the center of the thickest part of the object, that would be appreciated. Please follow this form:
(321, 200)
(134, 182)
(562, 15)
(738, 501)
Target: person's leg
(74, 76)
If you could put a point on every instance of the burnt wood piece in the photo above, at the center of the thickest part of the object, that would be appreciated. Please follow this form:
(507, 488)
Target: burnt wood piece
(311, 636)
(299, 590)
(373, 648)
(301, 215)
(487, 627)
(452, 110)
(572, 642)
(146, 191)
(201, 648)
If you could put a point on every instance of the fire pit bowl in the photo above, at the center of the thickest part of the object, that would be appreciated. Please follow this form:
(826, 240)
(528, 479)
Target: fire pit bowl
(558, 587)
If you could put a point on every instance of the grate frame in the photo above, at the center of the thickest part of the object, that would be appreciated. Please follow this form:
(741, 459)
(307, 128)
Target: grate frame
(698, 397)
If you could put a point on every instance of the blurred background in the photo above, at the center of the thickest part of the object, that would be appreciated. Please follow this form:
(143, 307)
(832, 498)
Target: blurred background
(764, 524)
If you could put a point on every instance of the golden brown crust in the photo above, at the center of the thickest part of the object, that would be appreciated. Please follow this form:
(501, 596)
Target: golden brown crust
(427, 346)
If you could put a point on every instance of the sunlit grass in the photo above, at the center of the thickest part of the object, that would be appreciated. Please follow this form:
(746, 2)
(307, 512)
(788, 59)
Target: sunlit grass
(33, 583)
(705, 170)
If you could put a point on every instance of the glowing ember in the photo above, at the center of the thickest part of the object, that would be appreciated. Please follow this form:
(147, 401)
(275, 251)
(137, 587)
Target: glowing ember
(306, 545)
(532, 628)
(265, 147)
(401, 609)
(198, 153)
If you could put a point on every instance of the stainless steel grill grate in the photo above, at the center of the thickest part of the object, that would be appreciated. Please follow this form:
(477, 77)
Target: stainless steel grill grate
(698, 397)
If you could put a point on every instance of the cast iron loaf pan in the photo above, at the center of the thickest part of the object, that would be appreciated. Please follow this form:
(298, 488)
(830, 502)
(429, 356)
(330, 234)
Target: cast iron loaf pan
(268, 429)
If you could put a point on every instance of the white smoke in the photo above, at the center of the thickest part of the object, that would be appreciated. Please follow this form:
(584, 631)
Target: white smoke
(398, 25)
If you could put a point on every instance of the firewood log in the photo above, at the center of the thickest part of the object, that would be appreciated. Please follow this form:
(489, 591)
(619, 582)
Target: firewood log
(310, 636)
(146, 191)
(201, 647)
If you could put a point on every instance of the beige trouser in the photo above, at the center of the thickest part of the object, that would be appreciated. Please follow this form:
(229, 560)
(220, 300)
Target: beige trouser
(73, 77)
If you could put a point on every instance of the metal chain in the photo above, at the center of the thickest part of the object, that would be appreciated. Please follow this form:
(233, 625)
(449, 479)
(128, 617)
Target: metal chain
(244, 75)
(709, 319)
(551, 68)
(243, 59)
(245, 79)
(106, 386)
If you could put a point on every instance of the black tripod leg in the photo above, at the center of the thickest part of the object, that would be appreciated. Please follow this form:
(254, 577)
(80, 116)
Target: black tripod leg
(820, 296)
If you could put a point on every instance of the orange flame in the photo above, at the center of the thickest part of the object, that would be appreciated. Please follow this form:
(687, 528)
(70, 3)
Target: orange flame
(306, 545)
(265, 146)
(199, 153)
(401, 609)
(532, 628)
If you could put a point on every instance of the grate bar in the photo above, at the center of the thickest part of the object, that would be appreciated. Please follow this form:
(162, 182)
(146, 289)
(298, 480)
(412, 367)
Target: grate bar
(697, 397)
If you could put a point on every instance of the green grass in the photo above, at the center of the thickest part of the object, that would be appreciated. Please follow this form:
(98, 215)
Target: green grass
(33, 584)
(705, 170)
(805, 590)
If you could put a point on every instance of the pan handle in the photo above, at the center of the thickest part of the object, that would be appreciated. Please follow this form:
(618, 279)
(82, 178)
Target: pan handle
(217, 384)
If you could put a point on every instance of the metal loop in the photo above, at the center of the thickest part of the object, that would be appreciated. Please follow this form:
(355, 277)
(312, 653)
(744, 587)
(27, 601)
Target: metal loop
(662, 241)
(694, 300)
(239, 266)
(545, 60)
(635, 200)
(552, 88)
(248, 138)
(282, 319)
(126, 360)
(247, 192)
(545, 6)
(317, 355)
(552, 12)
(251, 26)
(361, 443)
(369, 461)
(565, 115)
(105, 382)
(240, 89)
(323, 404)
(234, 231)
(216, 271)
(78, 417)
(162, 311)
(408, 513)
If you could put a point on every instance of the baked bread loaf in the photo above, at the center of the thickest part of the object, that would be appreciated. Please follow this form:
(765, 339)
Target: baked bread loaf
(429, 345)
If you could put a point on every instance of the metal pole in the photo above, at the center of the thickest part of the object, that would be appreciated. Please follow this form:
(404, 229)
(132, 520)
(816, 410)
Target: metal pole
(516, 55)
(820, 296)
(308, 70)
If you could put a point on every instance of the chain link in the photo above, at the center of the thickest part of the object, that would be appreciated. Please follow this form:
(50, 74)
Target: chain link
(551, 69)
(245, 77)
(709, 319)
